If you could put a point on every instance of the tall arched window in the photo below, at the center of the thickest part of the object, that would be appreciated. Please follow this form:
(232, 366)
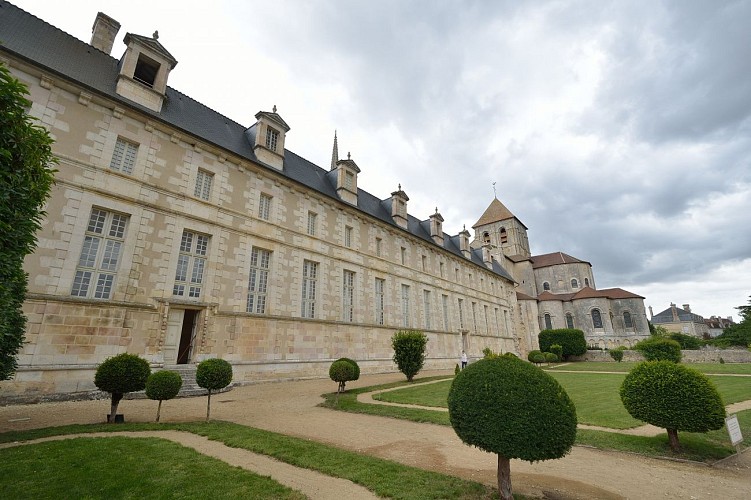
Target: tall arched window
(586, 281)
(574, 283)
(627, 320)
(596, 318)
(569, 320)
(548, 322)
(546, 286)
(504, 236)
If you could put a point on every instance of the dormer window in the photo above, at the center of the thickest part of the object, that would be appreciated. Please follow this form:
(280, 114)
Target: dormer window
(146, 70)
(349, 180)
(272, 138)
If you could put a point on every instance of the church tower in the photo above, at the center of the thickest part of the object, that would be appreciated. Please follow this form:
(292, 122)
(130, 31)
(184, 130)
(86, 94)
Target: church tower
(502, 231)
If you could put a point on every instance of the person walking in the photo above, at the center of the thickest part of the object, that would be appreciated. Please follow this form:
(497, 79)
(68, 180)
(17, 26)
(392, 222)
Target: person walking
(464, 360)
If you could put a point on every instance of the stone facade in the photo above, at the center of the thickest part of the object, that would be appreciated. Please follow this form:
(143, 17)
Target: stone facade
(681, 320)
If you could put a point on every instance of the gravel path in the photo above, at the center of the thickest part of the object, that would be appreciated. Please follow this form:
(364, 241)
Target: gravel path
(291, 408)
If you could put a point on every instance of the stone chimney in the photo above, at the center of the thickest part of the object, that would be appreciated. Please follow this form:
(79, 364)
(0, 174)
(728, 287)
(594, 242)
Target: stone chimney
(103, 32)
(675, 313)
(464, 243)
(487, 258)
(651, 314)
(436, 227)
(399, 201)
(686, 308)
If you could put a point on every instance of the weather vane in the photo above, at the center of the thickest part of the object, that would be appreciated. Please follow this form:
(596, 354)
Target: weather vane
(494, 193)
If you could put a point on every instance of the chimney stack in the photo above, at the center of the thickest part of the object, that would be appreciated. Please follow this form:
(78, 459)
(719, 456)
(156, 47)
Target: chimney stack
(686, 308)
(651, 314)
(103, 32)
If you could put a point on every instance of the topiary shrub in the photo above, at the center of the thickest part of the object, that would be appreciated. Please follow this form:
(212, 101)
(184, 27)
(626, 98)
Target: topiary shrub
(538, 358)
(659, 349)
(571, 340)
(532, 354)
(120, 375)
(161, 386)
(484, 403)
(457, 369)
(557, 350)
(673, 397)
(617, 353)
(409, 351)
(213, 374)
(511, 355)
(341, 371)
(550, 357)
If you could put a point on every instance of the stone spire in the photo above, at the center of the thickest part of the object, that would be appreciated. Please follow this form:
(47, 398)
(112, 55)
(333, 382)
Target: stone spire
(334, 153)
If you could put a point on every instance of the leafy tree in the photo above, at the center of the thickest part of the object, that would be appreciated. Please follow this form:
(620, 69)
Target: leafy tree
(688, 342)
(738, 334)
(342, 371)
(659, 349)
(617, 353)
(550, 357)
(673, 397)
(532, 355)
(484, 408)
(557, 350)
(571, 341)
(409, 351)
(658, 331)
(120, 375)
(26, 177)
(163, 385)
(213, 375)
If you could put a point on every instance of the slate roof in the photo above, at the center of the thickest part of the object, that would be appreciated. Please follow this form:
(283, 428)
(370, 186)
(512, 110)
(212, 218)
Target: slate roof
(61, 55)
(555, 259)
(666, 316)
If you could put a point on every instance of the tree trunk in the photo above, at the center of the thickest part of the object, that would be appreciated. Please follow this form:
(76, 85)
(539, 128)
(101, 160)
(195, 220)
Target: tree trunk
(158, 410)
(208, 407)
(116, 397)
(504, 478)
(673, 438)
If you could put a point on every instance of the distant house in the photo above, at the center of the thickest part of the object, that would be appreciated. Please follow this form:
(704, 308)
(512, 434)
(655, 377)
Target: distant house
(681, 321)
(716, 325)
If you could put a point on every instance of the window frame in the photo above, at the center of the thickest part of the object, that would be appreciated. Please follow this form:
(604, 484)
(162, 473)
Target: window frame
(204, 183)
(191, 258)
(124, 156)
(264, 206)
(258, 280)
(348, 296)
(309, 289)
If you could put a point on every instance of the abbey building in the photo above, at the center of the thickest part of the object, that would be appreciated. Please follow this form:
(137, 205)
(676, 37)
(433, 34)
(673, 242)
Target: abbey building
(178, 234)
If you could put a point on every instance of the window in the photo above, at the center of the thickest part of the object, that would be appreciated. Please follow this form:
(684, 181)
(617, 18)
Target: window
(348, 296)
(203, 184)
(404, 255)
(548, 322)
(312, 221)
(596, 318)
(405, 306)
(146, 70)
(191, 264)
(348, 237)
(309, 279)
(100, 255)
(546, 286)
(474, 315)
(378, 246)
(424, 263)
(497, 322)
(380, 284)
(627, 320)
(264, 207)
(487, 324)
(486, 238)
(586, 281)
(569, 320)
(574, 283)
(441, 269)
(124, 156)
(426, 307)
(349, 181)
(445, 304)
(504, 236)
(461, 313)
(258, 280)
(272, 138)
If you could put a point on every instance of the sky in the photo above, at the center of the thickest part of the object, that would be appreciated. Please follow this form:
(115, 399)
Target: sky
(618, 132)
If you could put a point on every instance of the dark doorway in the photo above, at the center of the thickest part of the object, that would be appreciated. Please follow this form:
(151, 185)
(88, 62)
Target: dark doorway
(187, 336)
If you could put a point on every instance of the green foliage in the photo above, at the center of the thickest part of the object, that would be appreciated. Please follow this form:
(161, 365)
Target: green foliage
(409, 351)
(457, 369)
(355, 367)
(659, 331)
(688, 342)
(488, 353)
(722, 361)
(120, 375)
(341, 371)
(533, 354)
(557, 350)
(659, 349)
(672, 396)
(511, 355)
(484, 402)
(26, 177)
(617, 353)
(550, 357)
(738, 334)
(163, 385)
(213, 374)
(571, 341)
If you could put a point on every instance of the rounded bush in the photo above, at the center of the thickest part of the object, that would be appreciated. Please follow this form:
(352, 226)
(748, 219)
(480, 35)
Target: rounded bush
(538, 358)
(672, 396)
(557, 350)
(659, 349)
(617, 354)
(341, 371)
(122, 374)
(533, 354)
(484, 408)
(550, 357)
(163, 385)
(571, 340)
(356, 373)
(213, 374)
(409, 351)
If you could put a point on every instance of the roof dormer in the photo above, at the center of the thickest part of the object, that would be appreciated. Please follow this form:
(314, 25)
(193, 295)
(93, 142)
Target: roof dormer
(399, 201)
(436, 227)
(144, 69)
(346, 179)
(267, 138)
(464, 243)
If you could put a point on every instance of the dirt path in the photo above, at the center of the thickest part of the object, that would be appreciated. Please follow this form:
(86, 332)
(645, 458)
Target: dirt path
(290, 408)
(312, 484)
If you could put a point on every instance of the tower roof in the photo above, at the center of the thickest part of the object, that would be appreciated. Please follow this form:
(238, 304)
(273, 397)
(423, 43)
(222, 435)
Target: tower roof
(495, 212)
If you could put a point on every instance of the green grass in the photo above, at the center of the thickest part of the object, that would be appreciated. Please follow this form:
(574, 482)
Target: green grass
(119, 467)
(384, 478)
(426, 395)
(726, 368)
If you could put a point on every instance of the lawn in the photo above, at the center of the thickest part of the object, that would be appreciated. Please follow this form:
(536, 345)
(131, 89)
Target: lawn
(732, 368)
(132, 462)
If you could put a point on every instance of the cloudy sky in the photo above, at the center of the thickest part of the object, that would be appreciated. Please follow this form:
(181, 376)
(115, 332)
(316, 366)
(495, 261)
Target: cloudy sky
(618, 132)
